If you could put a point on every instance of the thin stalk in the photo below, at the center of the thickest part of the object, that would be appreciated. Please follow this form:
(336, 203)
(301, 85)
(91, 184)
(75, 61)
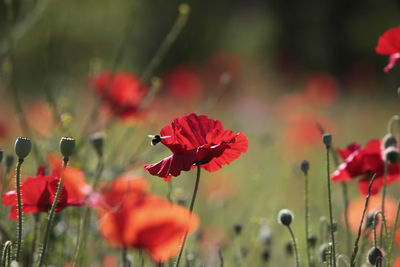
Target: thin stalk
(35, 234)
(384, 224)
(124, 257)
(184, 11)
(330, 207)
(6, 254)
(294, 246)
(50, 218)
(307, 215)
(383, 199)
(221, 257)
(170, 190)
(354, 254)
(346, 216)
(196, 186)
(19, 230)
(389, 254)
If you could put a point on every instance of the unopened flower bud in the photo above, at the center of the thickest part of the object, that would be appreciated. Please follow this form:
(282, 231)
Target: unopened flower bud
(327, 139)
(23, 146)
(265, 255)
(392, 154)
(289, 248)
(237, 228)
(9, 161)
(374, 254)
(97, 140)
(305, 166)
(325, 250)
(389, 140)
(369, 220)
(334, 226)
(285, 217)
(312, 240)
(67, 146)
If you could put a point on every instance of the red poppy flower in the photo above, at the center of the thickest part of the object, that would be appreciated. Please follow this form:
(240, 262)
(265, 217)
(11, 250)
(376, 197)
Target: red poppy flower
(389, 44)
(131, 217)
(38, 194)
(365, 161)
(122, 92)
(197, 140)
(183, 84)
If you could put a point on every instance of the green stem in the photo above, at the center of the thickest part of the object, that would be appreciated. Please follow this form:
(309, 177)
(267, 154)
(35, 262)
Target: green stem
(196, 186)
(184, 11)
(124, 258)
(346, 217)
(383, 199)
(6, 254)
(50, 218)
(355, 250)
(19, 231)
(330, 207)
(307, 218)
(389, 255)
(294, 246)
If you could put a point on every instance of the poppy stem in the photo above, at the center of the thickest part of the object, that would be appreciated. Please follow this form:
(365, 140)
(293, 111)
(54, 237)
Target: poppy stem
(50, 217)
(389, 250)
(196, 186)
(124, 258)
(383, 200)
(346, 217)
(330, 206)
(19, 230)
(294, 245)
(307, 215)
(354, 254)
(6, 254)
(383, 224)
(221, 257)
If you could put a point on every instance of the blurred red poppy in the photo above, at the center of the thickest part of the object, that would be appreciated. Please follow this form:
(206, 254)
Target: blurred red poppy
(122, 92)
(183, 84)
(38, 194)
(131, 217)
(222, 68)
(397, 262)
(322, 90)
(197, 140)
(389, 44)
(365, 161)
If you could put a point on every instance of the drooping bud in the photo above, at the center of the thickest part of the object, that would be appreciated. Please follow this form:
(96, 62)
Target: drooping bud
(237, 228)
(391, 154)
(67, 146)
(325, 251)
(389, 140)
(285, 217)
(374, 254)
(369, 220)
(9, 161)
(305, 166)
(327, 139)
(23, 146)
(97, 140)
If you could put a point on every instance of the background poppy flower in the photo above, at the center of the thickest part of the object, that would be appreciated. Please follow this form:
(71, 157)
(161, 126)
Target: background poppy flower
(389, 44)
(132, 217)
(38, 194)
(183, 84)
(122, 92)
(365, 162)
(197, 140)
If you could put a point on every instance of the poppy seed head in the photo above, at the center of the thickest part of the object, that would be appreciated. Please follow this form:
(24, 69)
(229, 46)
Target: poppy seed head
(23, 146)
(285, 217)
(237, 228)
(391, 154)
(9, 161)
(67, 146)
(305, 166)
(97, 140)
(327, 139)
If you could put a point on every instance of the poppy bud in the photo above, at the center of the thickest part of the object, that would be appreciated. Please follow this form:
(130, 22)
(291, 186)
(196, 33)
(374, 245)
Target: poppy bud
(285, 217)
(97, 140)
(23, 146)
(391, 154)
(389, 140)
(334, 226)
(312, 240)
(265, 255)
(9, 161)
(325, 250)
(327, 139)
(305, 166)
(369, 221)
(237, 228)
(67, 146)
(1, 155)
(374, 255)
(289, 248)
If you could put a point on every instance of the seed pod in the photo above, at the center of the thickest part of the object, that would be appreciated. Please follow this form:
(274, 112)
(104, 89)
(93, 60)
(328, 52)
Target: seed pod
(97, 140)
(305, 166)
(312, 240)
(327, 139)
(237, 228)
(23, 146)
(67, 146)
(289, 248)
(392, 154)
(9, 161)
(389, 140)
